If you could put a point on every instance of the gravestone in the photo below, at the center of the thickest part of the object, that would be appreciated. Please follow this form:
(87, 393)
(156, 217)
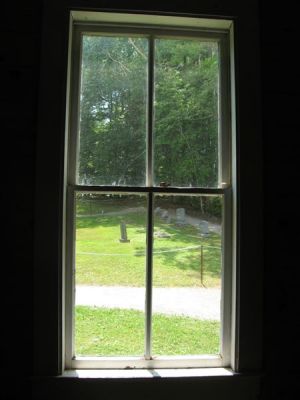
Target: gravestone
(169, 219)
(164, 214)
(203, 227)
(180, 216)
(157, 210)
(161, 234)
(123, 230)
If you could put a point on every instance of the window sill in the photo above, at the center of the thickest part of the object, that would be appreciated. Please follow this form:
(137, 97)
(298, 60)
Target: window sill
(148, 373)
(208, 383)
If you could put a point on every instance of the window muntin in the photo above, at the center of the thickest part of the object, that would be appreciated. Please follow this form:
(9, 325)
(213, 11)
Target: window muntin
(123, 188)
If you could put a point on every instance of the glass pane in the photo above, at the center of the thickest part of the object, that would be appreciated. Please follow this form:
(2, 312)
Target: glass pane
(113, 101)
(186, 113)
(110, 274)
(187, 275)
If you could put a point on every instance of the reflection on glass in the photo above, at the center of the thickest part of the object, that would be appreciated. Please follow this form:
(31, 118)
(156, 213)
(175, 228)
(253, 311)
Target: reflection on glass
(186, 113)
(113, 102)
(187, 275)
(110, 274)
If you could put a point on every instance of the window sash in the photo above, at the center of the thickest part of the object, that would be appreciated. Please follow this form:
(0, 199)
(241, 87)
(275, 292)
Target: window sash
(224, 152)
(225, 189)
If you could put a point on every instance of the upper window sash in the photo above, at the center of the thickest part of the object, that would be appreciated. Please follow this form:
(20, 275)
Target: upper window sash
(224, 136)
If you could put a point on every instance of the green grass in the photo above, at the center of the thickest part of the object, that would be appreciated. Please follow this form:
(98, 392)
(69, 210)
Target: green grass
(102, 260)
(116, 332)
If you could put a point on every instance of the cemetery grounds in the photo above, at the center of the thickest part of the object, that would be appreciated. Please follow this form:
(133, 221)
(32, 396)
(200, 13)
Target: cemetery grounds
(182, 258)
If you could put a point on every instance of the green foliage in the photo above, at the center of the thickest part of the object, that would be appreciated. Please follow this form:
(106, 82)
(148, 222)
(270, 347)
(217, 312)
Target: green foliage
(114, 110)
(186, 113)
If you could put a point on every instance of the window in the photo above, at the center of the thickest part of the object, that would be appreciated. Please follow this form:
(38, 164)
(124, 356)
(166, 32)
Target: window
(241, 314)
(149, 193)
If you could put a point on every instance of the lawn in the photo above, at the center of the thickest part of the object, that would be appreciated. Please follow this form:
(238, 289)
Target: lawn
(116, 332)
(102, 260)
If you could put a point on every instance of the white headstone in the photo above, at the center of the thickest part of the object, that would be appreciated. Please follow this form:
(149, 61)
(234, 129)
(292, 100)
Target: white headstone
(157, 210)
(164, 214)
(180, 216)
(123, 230)
(203, 227)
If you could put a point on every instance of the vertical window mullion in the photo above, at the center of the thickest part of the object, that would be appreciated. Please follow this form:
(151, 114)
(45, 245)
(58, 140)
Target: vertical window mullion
(149, 183)
(150, 114)
(226, 290)
(149, 268)
(225, 179)
(73, 150)
(70, 276)
(71, 178)
(226, 183)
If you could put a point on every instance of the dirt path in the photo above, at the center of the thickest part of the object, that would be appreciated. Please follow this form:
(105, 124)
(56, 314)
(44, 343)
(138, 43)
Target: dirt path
(188, 301)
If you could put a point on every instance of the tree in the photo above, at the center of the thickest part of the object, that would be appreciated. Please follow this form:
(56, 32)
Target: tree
(113, 111)
(113, 114)
(186, 113)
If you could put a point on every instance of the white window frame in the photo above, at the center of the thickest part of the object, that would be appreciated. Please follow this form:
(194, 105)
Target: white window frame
(154, 26)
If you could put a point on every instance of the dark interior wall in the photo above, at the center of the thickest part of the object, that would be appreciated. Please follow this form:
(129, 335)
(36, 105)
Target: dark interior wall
(19, 65)
(19, 62)
(280, 106)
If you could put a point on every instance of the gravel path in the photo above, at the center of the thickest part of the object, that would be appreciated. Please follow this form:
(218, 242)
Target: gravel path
(193, 302)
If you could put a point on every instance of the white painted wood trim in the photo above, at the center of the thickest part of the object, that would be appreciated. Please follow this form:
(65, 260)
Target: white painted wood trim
(176, 22)
(166, 362)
